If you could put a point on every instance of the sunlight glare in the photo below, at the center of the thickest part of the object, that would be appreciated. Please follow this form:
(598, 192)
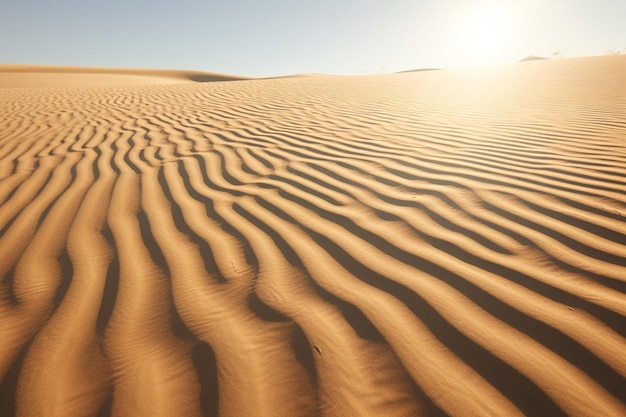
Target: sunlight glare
(484, 33)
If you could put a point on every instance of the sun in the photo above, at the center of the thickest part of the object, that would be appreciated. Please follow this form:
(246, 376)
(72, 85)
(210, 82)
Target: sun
(484, 33)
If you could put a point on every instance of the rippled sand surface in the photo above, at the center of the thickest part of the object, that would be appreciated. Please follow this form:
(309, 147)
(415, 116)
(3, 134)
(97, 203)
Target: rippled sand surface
(441, 243)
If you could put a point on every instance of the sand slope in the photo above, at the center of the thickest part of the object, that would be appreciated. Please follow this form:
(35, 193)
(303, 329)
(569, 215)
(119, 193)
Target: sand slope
(33, 76)
(446, 243)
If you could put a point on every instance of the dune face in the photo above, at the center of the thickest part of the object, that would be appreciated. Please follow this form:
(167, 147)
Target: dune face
(446, 243)
(37, 76)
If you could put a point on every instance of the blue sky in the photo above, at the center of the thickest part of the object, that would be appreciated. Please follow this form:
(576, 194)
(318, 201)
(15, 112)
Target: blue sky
(279, 37)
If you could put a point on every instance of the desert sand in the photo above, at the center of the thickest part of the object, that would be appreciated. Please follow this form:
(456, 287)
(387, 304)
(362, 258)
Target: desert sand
(427, 243)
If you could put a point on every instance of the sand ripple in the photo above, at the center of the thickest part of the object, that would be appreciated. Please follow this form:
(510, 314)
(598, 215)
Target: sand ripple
(419, 244)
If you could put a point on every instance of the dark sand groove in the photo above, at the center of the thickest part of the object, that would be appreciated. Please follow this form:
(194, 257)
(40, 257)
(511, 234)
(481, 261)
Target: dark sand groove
(398, 245)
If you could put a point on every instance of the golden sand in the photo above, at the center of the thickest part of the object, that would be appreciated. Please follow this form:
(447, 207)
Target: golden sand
(441, 243)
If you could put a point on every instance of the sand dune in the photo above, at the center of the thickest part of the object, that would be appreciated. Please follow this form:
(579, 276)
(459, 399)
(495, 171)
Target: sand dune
(439, 243)
(32, 76)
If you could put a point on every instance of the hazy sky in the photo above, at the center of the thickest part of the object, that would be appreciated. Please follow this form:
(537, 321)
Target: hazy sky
(278, 37)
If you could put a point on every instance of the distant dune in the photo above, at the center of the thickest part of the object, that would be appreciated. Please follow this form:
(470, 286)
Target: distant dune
(532, 58)
(439, 243)
(61, 76)
(420, 70)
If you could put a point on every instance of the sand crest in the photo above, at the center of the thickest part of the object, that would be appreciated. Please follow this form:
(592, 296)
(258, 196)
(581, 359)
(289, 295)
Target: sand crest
(427, 243)
(32, 76)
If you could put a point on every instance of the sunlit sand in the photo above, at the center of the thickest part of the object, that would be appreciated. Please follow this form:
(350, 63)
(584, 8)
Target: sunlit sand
(427, 243)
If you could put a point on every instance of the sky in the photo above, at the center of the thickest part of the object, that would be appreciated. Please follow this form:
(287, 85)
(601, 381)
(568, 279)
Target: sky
(281, 37)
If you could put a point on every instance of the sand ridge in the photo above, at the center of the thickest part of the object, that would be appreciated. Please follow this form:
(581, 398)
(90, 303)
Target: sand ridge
(34, 76)
(436, 243)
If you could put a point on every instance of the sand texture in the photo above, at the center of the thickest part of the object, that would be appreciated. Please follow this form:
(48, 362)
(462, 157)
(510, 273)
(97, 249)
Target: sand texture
(437, 243)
